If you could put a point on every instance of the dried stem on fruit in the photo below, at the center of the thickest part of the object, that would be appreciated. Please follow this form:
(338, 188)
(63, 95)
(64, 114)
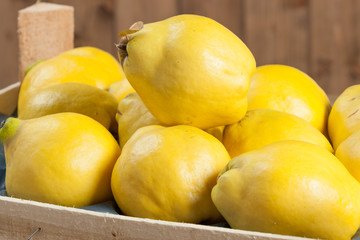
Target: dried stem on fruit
(124, 39)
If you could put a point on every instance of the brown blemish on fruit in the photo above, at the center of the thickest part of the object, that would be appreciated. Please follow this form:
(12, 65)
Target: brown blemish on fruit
(353, 113)
(352, 99)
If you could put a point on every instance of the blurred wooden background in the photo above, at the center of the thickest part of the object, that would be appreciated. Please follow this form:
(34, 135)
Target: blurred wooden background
(320, 37)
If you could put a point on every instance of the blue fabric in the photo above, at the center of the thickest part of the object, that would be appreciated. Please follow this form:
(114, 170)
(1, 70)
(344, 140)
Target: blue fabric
(105, 207)
(2, 162)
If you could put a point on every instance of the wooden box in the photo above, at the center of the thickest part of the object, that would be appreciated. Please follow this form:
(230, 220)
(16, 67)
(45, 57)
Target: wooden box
(23, 219)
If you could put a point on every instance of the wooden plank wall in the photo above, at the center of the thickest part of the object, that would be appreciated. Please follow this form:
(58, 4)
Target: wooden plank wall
(321, 38)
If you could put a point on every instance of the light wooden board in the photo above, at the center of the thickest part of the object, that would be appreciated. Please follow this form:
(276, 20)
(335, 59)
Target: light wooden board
(44, 31)
(20, 218)
(8, 98)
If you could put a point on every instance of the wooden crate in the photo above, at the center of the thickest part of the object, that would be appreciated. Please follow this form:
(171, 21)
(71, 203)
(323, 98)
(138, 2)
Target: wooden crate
(19, 219)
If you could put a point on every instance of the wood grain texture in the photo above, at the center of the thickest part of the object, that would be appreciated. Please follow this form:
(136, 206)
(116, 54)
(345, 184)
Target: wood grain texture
(9, 41)
(334, 49)
(355, 51)
(94, 23)
(20, 218)
(276, 31)
(320, 37)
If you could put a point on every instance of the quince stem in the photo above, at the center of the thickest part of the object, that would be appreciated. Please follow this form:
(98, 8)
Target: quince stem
(124, 39)
(8, 128)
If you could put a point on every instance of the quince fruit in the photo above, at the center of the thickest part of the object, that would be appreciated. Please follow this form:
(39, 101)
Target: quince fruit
(189, 70)
(64, 159)
(291, 188)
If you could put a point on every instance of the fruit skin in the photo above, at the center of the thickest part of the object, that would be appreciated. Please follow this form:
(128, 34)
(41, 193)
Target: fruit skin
(32, 66)
(167, 173)
(64, 159)
(292, 188)
(216, 132)
(189, 70)
(289, 90)
(87, 65)
(274, 126)
(349, 154)
(121, 89)
(344, 118)
(72, 97)
(132, 114)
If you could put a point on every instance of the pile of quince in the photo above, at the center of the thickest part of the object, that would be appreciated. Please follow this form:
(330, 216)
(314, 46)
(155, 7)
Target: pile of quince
(186, 128)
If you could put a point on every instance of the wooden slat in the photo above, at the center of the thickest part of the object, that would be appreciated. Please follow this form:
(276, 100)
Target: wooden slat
(8, 98)
(9, 41)
(354, 62)
(227, 12)
(276, 31)
(320, 37)
(94, 22)
(334, 49)
(20, 218)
